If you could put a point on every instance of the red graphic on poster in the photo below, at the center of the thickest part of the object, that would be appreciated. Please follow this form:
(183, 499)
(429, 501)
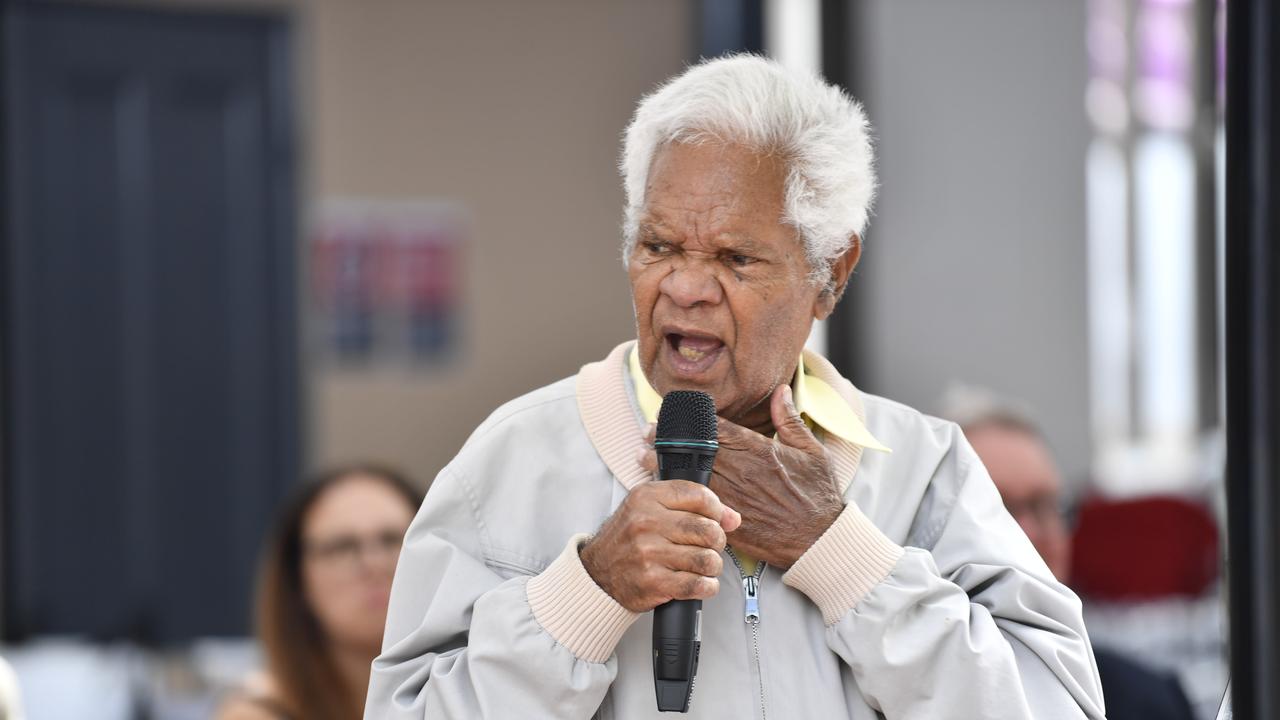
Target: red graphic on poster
(386, 281)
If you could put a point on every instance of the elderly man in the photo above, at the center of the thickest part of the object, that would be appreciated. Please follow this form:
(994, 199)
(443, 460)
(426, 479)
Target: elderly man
(884, 575)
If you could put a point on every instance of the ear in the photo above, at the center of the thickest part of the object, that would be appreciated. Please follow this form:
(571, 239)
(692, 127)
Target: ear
(841, 269)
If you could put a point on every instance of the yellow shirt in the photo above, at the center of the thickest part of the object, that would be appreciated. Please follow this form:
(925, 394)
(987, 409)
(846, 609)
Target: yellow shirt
(816, 401)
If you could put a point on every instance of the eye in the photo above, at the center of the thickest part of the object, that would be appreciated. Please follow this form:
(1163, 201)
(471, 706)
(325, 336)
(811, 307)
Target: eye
(739, 260)
(656, 247)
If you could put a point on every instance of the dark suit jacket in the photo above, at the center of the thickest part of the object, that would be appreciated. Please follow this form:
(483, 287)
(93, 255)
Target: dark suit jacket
(1133, 691)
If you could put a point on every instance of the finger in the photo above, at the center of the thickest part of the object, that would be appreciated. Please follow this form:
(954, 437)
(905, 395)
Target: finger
(697, 560)
(651, 434)
(682, 585)
(730, 520)
(647, 458)
(690, 497)
(689, 529)
(788, 422)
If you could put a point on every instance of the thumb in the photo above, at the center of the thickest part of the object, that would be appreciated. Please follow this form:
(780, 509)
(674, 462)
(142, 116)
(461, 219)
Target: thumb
(788, 422)
(730, 519)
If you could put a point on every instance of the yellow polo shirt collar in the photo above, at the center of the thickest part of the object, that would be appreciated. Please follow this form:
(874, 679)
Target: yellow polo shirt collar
(817, 401)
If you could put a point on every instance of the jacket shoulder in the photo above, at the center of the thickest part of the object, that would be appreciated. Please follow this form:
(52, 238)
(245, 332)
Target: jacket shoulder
(555, 399)
(914, 490)
(890, 421)
(530, 478)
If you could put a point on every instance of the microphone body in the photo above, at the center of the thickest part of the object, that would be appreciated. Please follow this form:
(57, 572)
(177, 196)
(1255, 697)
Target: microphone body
(686, 446)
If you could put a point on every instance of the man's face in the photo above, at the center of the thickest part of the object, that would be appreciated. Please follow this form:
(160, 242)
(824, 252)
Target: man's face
(720, 286)
(1027, 479)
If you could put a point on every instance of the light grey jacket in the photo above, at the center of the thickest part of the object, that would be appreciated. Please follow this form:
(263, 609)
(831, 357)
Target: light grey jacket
(924, 600)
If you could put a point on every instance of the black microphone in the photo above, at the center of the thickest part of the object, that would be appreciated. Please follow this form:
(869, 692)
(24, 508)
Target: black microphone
(686, 445)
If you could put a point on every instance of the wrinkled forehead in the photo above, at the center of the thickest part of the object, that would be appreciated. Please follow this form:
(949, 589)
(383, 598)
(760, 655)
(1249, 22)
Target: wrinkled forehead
(714, 190)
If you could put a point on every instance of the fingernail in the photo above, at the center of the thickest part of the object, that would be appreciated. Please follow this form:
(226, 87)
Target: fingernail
(640, 453)
(786, 394)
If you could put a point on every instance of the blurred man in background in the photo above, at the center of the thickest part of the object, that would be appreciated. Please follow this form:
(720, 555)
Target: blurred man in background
(1018, 459)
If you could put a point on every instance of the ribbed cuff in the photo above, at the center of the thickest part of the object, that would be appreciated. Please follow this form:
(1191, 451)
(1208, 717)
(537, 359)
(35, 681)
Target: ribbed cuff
(569, 605)
(850, 559)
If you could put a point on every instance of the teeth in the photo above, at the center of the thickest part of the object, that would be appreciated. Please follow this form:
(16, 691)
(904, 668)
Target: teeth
(689, 353)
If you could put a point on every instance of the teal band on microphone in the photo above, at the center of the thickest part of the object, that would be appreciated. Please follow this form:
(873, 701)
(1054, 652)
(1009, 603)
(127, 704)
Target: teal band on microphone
(711, 445)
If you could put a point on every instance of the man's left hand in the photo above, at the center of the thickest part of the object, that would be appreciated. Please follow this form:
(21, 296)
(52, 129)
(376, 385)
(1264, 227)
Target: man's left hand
(783, 487)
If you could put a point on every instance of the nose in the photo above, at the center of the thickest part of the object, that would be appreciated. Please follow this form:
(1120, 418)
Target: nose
(379, 557)
(690, 284)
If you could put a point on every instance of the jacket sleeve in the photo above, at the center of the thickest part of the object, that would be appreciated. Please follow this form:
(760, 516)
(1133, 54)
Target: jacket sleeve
(972, 626)
(463, 641)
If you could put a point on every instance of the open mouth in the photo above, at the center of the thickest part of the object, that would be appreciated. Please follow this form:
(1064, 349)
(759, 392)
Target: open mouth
(692, 354)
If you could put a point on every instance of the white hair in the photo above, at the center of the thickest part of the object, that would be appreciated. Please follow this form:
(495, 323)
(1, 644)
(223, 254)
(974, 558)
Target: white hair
(818, 130)
(973, 406)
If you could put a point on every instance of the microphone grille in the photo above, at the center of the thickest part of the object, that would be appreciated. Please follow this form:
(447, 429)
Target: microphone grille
(687, 415)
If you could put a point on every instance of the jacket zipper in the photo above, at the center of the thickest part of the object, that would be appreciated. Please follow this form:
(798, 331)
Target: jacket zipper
(751, 614)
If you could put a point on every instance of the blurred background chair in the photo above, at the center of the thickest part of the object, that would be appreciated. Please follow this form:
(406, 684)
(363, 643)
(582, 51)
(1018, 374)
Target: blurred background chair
(1149, 571)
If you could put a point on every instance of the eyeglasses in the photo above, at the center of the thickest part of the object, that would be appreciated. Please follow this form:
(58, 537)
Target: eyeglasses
(1044, 510)
(350, 551)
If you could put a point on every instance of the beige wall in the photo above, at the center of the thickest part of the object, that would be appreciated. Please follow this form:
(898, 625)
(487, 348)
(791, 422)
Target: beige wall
(513, 109)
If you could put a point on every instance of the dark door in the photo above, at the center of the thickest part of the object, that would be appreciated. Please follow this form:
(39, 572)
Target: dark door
(150, 398)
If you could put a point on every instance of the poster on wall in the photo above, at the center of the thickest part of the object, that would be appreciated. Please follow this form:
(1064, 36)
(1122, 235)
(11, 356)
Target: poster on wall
(386, 281)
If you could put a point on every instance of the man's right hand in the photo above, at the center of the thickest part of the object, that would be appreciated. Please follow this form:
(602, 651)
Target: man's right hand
(663, 543)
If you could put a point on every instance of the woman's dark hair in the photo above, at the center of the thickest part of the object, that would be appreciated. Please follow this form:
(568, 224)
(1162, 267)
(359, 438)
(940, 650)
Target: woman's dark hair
(293, 642)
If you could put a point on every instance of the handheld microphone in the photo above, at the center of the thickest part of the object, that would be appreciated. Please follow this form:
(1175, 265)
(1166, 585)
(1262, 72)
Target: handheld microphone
(686, 445)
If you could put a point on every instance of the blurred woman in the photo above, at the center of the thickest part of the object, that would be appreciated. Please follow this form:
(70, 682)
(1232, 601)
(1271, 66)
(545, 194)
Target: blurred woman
(322, 595)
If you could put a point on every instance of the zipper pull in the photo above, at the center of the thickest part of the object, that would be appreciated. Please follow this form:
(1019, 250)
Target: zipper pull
(751, 588)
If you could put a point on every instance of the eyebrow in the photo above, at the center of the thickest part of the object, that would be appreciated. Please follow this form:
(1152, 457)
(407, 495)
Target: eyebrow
(739, 241)
(746, 243)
